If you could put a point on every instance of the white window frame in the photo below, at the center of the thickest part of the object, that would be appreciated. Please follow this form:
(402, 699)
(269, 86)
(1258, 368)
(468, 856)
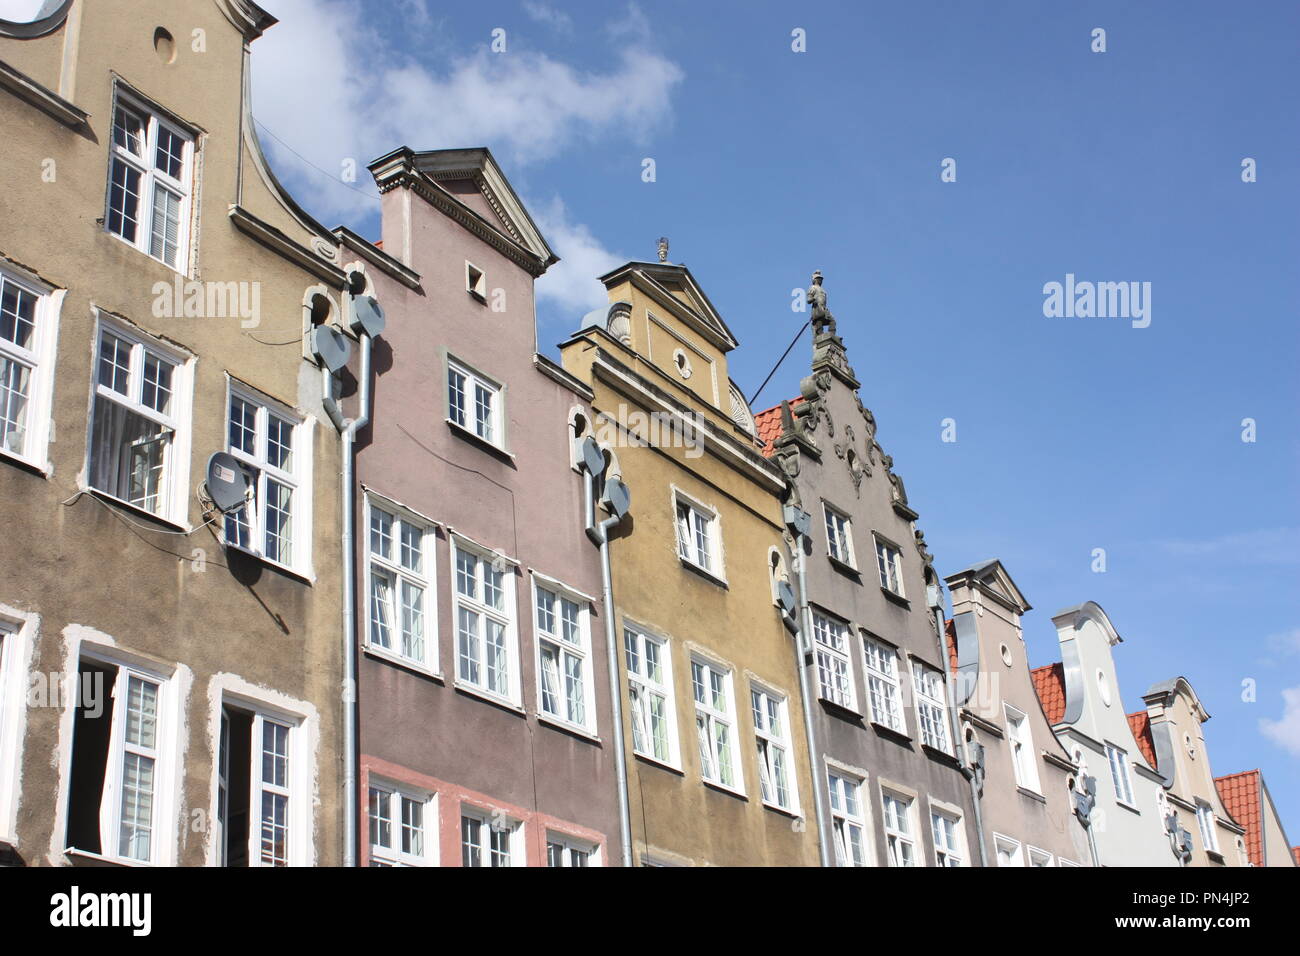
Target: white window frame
(38, 357)
(839, 536)
(152, 178)
(1006, 845)
(896, 838)
(1117, 757)
(1020, 743)
(568, 845)
(931, 710)
(467, 420)
(848, 812)
(400, 577)
(507, 616)
(475, 281)
(832, 638)
(889, 564)
(883, 665)
(516, 850)
(642, 687)
(396, 796)
(17, 631)
(699, 517)
(1206, 823)
(711, 755)
(1039, 858)
(565, 650)
(770, 744)
(298, 479)
(949, 843)
(173, 500)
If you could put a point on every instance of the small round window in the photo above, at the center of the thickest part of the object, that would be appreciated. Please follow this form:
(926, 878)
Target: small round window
(683, 363)
(1103, 686)
(1006, 654)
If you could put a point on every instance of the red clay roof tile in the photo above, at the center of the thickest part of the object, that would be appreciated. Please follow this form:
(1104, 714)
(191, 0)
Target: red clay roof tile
(768, 425)
(1049, 681)
(1241, 798)
(1140, 724)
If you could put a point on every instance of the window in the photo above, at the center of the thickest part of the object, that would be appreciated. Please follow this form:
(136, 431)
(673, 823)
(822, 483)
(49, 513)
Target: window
(139, 445)
(715, 721)
(1205, 819)
(475, 282)
(834, 673)
(889, 559)
(1021, 741)
(485, 842)
(946, 831)
(1119, 773)
(397, 827)
(485, 629)
(26, 369)
(274, 448)
(775, 770)
(566, 687)
(401, 567)
(1039, 857)
(1008, 852)
(898, 830)
(931, 705)
(650, 693)
(474, 404)
(839, 537)
(564, 850)
(847, 822)
(696, 536)
(259, 774)
(119, 803)
(882, 684)
(149, 175)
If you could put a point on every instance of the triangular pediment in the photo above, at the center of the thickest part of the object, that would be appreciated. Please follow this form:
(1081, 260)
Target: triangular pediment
(676, 290)
(994, 579)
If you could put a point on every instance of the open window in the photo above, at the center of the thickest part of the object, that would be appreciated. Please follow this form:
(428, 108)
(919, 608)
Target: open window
(258, 799)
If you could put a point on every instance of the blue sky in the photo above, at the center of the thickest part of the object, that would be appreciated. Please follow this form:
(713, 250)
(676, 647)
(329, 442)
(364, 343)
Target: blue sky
(1072, 433)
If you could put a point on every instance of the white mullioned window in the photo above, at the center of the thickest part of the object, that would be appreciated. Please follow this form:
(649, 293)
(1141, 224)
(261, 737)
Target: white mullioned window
(1039, 857)
(900, 829)
(839, 536)
(150, 176)
(889, 560)
(1020, 739)
(488, 840)
(775, 757)
(566, 684)
(400, 821)
(474, 403)
(931, 705)
(698, 539)
(1119, 774)
(487, 651)
(28, 330)
(403, 619)
(140, 429)
(564, 850)
(715, 724)
(273, 445)
(834, 668)
(848, 824)
(882, 684)
(1205, 819)
(946, 832)
(650, 696)
(1008, 851)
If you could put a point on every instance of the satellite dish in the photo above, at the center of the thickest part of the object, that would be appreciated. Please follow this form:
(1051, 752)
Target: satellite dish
(367, 315)
(798, 520)
(785, 594)
(619, 498)
(593, 457)
(227, 483)
(1090, 786)
(330, 346)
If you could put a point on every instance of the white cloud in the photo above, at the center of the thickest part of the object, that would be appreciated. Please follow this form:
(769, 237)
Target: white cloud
(558, 20)
(1285, 731)
(1263, 546)
(571, 283)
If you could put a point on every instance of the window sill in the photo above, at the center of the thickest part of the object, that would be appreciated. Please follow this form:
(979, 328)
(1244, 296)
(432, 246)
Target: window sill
(107, 498)
(91, 858)
(304, 576)
(503, 702)
(1031, 794)
(558, 723)
(476, 439)
(784, 811)
(703, 572)
(662, 764)
(844, 568)
(397, 660)
(902, 736)
(840, 710)
(723, 788)
(940, 754)
(895, 597)
(27, 464)
(1129, 807)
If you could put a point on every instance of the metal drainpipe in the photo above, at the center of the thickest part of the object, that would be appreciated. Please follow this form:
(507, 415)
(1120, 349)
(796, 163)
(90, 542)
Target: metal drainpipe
(349, 429)
(959, 743)
(599, 534)
(801, 653)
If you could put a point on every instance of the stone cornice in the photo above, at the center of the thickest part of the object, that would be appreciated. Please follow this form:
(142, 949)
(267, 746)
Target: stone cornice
(25, 88)
(377, 257)
(278, 242)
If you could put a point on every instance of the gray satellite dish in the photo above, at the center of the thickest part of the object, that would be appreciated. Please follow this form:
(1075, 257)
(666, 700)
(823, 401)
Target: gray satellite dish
(785, 594)
(619, 498)
(798, 520)
(367, 315)
(1090, 786)
(227, 483)
(330, 346)
(593, 457)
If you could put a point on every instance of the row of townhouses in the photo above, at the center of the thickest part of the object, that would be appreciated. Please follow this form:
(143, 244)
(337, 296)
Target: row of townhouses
(311, 556)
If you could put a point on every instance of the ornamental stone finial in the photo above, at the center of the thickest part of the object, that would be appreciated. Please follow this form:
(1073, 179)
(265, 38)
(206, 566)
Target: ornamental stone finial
(663, 248)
